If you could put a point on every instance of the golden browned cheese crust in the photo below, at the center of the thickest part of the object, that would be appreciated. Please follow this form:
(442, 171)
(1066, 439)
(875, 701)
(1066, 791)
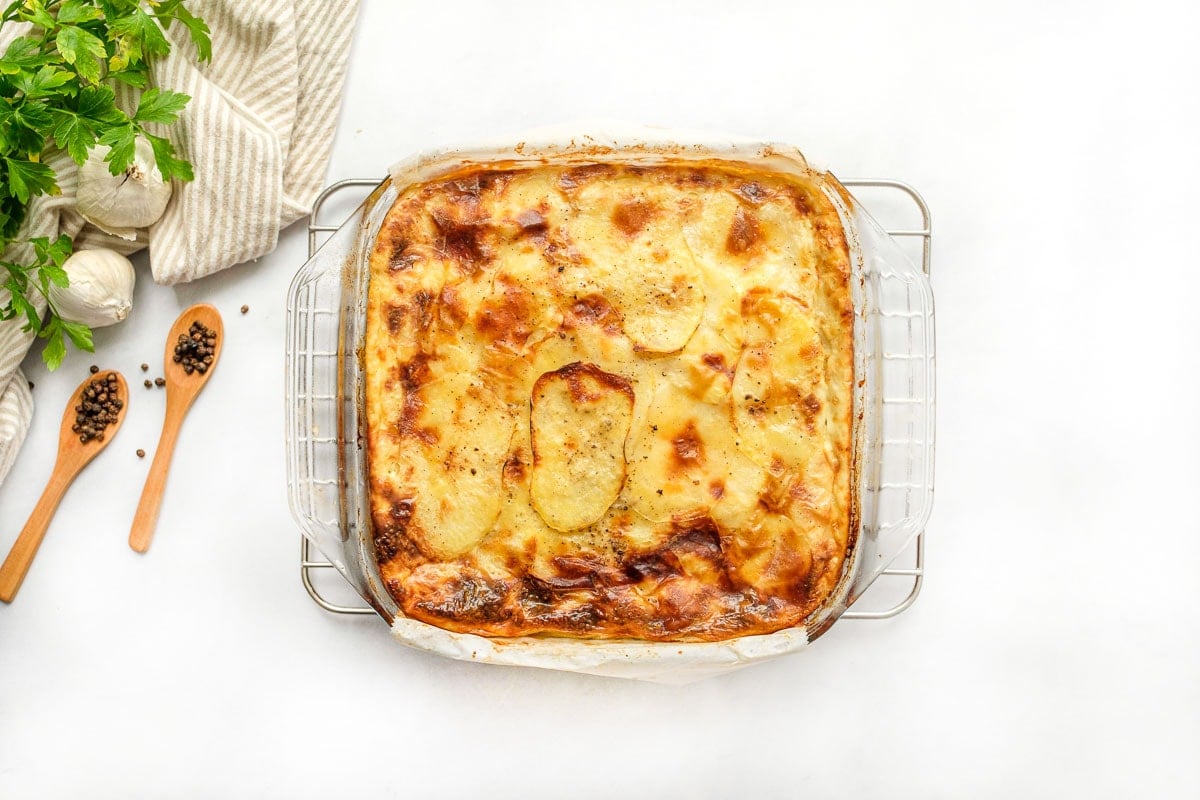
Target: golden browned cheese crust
(611, 401)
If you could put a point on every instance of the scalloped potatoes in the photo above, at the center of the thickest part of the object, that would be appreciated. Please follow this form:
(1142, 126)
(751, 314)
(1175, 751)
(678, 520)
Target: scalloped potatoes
(611, 401)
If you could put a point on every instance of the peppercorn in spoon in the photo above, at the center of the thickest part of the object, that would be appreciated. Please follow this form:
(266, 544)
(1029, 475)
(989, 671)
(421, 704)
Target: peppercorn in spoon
(193, 348)
(94, 413)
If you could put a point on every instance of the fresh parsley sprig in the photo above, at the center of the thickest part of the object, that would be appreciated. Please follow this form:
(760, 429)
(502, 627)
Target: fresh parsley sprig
(56, 93)
(47, 269)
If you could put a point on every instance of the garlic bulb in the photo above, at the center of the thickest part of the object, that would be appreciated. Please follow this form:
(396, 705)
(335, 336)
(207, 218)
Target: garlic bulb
(120, 204)
(101, 288)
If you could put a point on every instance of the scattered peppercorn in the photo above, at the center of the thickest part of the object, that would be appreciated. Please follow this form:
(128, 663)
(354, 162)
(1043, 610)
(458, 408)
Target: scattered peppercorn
(245, 309)
(196, 348)
(141, 453)
(93, 369)
(145, 367)
(99, 405)
(147, 383)
(160, 382)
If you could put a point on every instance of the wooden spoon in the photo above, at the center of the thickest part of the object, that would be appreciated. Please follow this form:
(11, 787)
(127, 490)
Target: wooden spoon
(182, 389)
(73, 456)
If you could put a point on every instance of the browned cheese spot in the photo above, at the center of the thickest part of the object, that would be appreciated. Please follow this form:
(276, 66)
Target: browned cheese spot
(514, 468)
(631, 216)
(395, 317)
(688, 447)
(655, 566)
(593, 310)
(506, 316)
(797, 572)
(462, 230)
(392, 525)
(801, 202)
(753, 192)
(695, 178)
(831, 235)
(810, 406)
(694, 535)
(744, 232)
(531, 221)
(801, 493)
(578, 374)
(575, 177)
(716, 362)
(413, 376)
(580, 571)
(494, 181)
(776, 495)
(469, 598)
(451, 307)
(557, 248)
(398, 235)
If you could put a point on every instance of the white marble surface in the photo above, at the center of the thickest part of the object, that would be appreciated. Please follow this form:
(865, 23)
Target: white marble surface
(1055, 650)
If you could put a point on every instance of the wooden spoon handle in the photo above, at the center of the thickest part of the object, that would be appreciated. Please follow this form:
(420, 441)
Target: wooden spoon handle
(12, 573)
(146, 517)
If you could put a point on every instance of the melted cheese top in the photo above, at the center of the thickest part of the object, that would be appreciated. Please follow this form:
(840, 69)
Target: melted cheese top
(610, 401)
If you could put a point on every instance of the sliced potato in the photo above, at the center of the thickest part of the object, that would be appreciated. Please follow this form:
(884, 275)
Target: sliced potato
(651, 278)
(579, 419)
(772, 552)
(661, 306)
(590, 344)
(685, 458)
(456, 444)
(779, 381)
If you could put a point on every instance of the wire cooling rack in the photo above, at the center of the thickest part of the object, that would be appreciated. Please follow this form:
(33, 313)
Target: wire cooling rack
(898, 206)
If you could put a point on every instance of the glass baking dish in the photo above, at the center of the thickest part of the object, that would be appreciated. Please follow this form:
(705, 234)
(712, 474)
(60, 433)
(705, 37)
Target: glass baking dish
(894, 403)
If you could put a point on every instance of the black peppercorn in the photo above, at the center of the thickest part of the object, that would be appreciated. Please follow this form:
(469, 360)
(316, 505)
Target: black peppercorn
(99, 406)
(196, 349)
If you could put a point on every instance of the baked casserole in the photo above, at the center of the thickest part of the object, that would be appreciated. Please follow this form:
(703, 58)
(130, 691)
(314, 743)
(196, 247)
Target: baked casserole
(611, 401)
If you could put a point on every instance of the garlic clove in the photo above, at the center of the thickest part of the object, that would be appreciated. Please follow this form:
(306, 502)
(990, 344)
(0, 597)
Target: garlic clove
(121, 204)
(100, 291)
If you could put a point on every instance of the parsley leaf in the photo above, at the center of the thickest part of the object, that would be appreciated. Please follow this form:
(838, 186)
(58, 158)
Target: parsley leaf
(56, 348)
(83, 50)
(35, 11)
(22, 54)
(80, 335)
(97, 103)
(133, 76)
(46, 81)
(73, 11)
(26, 178)
(197, 28)
(74, 134)
(120, 139)
(168, 164)
(161, 106)
(142, 30)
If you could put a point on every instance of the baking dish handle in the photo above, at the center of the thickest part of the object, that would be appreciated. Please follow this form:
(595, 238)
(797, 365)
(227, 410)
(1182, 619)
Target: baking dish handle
(315, 305)
(897, 494)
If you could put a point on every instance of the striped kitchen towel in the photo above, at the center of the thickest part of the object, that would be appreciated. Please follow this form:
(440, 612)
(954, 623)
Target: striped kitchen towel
(258, 131)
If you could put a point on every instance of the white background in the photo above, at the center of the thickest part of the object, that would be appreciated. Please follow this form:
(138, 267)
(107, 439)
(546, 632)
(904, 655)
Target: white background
(1055, 650)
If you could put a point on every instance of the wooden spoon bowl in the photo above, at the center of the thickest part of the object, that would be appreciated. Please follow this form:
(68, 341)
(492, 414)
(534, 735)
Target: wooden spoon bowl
(73, 456)
(182, 388)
